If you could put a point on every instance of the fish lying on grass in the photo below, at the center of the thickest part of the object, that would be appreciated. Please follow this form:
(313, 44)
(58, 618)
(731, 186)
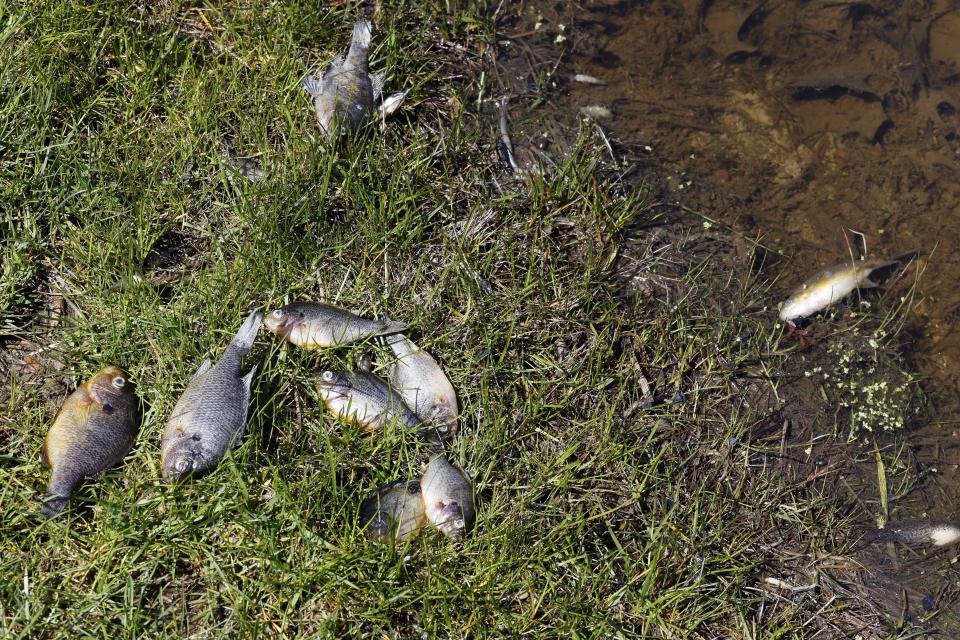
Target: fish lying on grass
(939, 534)
(315, 325)
(365, 400)
(393, 512)
(94, 429)
(345, 94)
(448, 497)
(422, 384)
(831, 285)
(211, 415)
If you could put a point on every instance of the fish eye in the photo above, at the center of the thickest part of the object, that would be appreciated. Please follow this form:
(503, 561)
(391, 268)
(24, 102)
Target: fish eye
(278, 313)
(442, 428)
(328, 376)
(118, 382)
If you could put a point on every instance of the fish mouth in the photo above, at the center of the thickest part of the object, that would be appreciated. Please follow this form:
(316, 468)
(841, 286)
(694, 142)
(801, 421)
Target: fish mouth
(283, 324)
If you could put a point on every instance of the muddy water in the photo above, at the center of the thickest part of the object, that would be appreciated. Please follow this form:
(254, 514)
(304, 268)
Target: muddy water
(818, 126)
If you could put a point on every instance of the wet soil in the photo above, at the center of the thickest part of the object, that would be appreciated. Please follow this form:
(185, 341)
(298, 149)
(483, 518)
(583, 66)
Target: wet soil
(820, 129)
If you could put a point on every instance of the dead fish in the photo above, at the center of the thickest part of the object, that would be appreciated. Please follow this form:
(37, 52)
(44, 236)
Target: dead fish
(93, 431)
(365, 400)
(939, 534)
(830, 285)
(588, 79)
(525, 167)
(211, 415)
(315, 325)
(448, 497)
(596, 112)
(346, 92)
(422, 384)
(393, 512)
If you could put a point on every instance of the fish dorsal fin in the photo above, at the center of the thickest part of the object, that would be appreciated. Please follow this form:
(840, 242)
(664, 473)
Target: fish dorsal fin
(244, 406)
(202, 369)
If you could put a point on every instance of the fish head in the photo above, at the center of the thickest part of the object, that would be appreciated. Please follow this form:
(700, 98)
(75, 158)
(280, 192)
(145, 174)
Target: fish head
(110, 388)
(334, 385)
(182, 457)
(451, 520)
(378, 527)
(443, 419)
(284, 321)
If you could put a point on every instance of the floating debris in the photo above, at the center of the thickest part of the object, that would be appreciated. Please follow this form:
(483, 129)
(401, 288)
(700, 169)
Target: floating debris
(588, 79)
(596, 112)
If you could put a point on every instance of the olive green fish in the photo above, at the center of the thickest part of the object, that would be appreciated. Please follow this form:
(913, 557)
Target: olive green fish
(93, 431)
(316, 325)
(393, 512)
(417, 377)
(448, 497)
(365, 400)
(211, 415)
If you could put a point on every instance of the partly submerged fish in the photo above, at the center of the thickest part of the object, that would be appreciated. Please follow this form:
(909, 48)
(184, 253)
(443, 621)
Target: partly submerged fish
(939, 534)
(417, 377)
(448, 497)
(345, 94)
(830, 285)
(393, 512)
(211, 415)
(365, 400)
(315, 325)
(94, 429)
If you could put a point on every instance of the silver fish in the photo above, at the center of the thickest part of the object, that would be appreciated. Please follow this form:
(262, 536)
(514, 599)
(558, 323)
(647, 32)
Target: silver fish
(417, 377)
(315, 325)
(939, 534)
(344, 92)
(448, 497)
(365, 400)
(211, 415)
(393, 512)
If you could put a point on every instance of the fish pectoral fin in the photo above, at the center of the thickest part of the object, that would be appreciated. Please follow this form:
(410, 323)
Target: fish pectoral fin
(202, 369)
(311, 85)
(868, 283)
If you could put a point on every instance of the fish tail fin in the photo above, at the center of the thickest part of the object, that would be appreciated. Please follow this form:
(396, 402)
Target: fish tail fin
(391, 326)
(243, 341)
(53, 505)
(361, 35)
(907, 257)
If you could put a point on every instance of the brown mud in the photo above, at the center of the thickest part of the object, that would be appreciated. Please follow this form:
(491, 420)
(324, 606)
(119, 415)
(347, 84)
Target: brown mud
(822, 129)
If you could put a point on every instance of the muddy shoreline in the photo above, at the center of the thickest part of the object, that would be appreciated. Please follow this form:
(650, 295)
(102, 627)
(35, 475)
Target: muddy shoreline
(818, 132)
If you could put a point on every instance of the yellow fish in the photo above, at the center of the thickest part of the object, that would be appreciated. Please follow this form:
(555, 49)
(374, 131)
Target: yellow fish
(94, 430)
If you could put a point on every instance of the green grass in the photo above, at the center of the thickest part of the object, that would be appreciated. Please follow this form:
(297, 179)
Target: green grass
(598, 517)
